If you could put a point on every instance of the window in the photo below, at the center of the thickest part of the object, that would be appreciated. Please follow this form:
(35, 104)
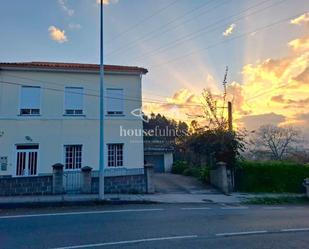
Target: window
(114, 101)
(73, 156)
(115, 155)
(30, 100)
(73, 100)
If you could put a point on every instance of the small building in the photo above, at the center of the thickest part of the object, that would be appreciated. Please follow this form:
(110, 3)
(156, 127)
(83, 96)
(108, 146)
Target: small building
(160, 157)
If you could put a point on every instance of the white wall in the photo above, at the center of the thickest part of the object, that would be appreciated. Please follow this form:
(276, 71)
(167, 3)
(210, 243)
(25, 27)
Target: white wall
(52, 130)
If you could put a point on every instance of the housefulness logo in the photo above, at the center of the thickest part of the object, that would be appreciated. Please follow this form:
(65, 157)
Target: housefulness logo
(139, 113)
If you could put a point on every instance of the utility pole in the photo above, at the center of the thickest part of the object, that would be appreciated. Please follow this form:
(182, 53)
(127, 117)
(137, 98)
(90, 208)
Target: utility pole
(230, 115)
(101, 160)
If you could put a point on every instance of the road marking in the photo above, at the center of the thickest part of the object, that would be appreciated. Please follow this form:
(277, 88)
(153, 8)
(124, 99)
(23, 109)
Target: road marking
(197, 208)
(241, 233)
(240, 207)
(81, 213)
(274, 208)
(295, 229)
(129, 242)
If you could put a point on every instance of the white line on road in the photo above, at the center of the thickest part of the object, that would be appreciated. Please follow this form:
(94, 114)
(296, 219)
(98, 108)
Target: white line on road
(295, 229)
(81, 213)
(240, 207)
(274, 208)
(241, 233)
(197, 208)
(129, 242)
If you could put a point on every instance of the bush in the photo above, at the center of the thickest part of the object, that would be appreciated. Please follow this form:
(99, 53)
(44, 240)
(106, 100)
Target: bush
(179, 167)
(204, 174)
(277, 177)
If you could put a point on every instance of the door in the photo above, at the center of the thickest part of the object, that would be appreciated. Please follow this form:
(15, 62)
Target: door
(26, 160)
(157, 161)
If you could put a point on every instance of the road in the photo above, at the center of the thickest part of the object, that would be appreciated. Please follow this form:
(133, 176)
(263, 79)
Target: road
(156, 226)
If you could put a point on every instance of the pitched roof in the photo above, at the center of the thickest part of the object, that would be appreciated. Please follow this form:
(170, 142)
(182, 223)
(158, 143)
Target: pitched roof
(74, 66)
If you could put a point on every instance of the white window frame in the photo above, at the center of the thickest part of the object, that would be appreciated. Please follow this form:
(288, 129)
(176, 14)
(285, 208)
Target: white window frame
(72, 111)
(115, 157)
(109, 100)
(65, 157)
(32, 111)
(37, 150)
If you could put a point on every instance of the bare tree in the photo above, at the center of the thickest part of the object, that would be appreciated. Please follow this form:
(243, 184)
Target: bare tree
(276, 140)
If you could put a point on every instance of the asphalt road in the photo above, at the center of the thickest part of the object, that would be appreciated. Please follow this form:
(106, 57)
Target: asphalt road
(156, 226)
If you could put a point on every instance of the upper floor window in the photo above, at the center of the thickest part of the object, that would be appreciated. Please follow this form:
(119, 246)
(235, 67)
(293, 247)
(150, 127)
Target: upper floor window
(114, 100)
(30, 100)
(73, 100)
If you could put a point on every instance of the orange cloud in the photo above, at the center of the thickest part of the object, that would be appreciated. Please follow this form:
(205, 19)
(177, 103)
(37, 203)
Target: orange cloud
(57, 34)
(301, 19)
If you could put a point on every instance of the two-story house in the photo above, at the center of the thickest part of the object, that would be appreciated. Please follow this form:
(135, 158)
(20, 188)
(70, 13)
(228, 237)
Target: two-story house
(49, 113)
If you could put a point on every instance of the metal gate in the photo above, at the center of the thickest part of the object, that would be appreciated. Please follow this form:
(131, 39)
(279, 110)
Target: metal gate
(72, 182)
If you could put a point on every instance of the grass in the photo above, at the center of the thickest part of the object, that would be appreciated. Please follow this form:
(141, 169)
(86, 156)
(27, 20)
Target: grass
(277, 200)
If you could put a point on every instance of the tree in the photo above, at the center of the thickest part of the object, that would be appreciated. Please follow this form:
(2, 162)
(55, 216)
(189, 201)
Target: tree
(276, 140)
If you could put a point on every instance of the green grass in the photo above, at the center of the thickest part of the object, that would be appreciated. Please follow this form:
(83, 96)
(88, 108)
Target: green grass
(277, 200)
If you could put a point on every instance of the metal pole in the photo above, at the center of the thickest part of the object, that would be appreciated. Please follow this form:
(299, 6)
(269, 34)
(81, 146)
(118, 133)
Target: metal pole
(101, 162)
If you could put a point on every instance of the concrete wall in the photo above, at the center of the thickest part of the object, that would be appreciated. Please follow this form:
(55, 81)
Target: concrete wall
(10, 186)
(168, 161)
(221, 178)
(52, 130)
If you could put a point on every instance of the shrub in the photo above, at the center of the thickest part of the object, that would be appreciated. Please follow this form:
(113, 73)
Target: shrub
(179, 167)
(204, 174)
(270, 177)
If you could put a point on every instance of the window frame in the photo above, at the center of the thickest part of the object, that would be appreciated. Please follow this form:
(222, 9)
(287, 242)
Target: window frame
(74, 112)
(65, 157)
(115, 155)
(31, 110)
(114, 113)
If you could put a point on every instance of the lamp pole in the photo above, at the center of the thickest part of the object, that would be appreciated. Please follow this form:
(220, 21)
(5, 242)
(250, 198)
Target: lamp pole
(101, 160)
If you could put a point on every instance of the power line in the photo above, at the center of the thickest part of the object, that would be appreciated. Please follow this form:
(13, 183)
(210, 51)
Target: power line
(226, 40)
(159, 31)
(188, 37)
(142, 21)
(107, 97)
(65, 85)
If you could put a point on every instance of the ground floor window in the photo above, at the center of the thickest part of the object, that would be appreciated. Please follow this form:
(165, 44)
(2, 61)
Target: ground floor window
(73, 156)
(115, 155)
(26, 159)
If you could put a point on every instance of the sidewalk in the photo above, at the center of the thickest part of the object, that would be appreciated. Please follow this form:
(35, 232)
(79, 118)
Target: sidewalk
(236, 198)
(117, 198)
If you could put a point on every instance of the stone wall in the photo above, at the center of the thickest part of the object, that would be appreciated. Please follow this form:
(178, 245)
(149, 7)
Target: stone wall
(128, 184)
(37, 185)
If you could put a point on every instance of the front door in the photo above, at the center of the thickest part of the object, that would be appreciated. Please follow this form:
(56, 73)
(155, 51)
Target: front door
(26, 160)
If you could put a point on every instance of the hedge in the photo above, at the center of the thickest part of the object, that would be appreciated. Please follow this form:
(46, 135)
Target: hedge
(276, 177)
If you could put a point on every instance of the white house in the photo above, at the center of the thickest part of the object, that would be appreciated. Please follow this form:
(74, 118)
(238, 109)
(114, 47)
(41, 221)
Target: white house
(49, 113)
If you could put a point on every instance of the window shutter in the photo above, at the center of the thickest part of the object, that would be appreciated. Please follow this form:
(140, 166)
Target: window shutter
(30, 97)
(73, 99)
(114, 101)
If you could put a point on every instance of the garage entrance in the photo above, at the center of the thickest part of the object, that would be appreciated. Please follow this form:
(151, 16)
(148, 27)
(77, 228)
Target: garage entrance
(157, 161)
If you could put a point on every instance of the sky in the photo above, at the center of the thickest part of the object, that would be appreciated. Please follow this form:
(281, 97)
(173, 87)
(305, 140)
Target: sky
(186, 46)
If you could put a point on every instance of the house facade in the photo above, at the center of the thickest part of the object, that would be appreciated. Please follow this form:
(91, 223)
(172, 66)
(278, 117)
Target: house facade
(49, 113)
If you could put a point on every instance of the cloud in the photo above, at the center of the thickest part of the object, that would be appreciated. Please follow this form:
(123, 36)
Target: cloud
(253, 122)
(75, 26)
(57, 34)
(229, 30)
(106, 2)
(303, 77)
(63, 4)
(303, 19)
(291, 103)
(299, 44)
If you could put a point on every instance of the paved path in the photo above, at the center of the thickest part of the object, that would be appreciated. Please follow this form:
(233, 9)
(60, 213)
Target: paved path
(157, 226)
(166, 183)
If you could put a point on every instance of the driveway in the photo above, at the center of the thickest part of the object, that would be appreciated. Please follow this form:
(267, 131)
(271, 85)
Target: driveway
(167, 183)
